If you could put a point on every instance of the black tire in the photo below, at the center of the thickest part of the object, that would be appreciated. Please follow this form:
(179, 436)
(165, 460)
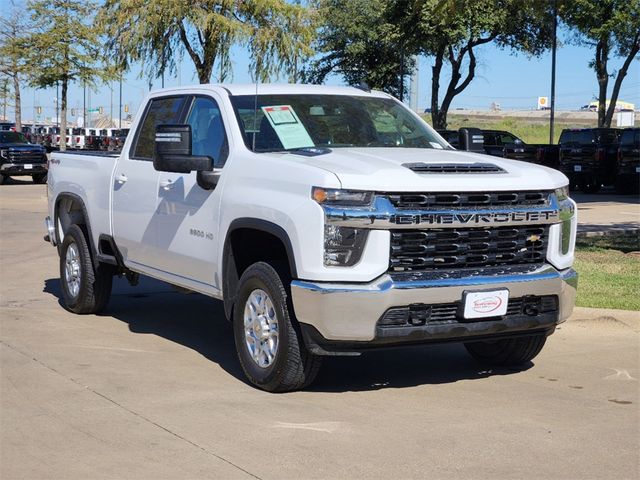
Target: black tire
(3, 178)
(94, 284)
(39, 178)
(293, 366)
(507, 352)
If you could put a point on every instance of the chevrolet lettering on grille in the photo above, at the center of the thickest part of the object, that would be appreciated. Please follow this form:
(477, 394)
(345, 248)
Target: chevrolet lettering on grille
(488, 218)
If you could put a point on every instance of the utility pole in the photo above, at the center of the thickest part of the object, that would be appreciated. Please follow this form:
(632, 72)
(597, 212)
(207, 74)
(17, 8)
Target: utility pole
(84, 104)
(120, 106)
(57, 105)
(110, 103)
(553, 70)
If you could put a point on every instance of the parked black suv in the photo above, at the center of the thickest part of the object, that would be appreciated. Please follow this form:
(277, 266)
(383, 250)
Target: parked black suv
(628, 162)
(18, 157)
(588, 157)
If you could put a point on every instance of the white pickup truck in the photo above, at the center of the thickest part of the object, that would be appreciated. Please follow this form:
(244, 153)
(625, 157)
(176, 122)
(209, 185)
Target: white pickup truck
(329, 220)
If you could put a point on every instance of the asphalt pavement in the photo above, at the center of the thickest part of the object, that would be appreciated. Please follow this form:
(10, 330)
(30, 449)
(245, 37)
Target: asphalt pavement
(152, 389)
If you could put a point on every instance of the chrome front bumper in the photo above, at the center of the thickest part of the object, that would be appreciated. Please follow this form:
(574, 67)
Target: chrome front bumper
(350, 312)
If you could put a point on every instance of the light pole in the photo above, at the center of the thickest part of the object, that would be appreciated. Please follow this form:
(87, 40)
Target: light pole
(553, 70)
(120, 106)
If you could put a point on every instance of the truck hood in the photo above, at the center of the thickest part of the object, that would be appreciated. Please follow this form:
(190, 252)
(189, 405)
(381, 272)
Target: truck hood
(21, 147)
(381, 169)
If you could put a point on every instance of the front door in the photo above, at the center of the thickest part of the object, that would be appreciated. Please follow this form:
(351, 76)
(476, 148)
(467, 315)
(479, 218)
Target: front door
(187, 215)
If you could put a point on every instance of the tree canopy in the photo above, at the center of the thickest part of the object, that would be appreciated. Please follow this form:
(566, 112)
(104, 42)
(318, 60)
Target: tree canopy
(14, 31)
(609, 27)
(373, 39)
(158, 32)
(63, 47)
(359, 40)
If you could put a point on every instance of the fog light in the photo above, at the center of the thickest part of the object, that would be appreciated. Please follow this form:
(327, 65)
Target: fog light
(343, 246)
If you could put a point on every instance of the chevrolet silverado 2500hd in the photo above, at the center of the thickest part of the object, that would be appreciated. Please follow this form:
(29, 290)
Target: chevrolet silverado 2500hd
(329, 220)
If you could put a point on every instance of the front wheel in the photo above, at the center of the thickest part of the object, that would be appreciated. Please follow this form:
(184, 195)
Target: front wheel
(507, 352)
(270, 348)
(84, 288)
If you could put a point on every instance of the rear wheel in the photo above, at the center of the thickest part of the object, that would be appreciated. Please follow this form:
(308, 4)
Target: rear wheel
(506, 352)
(39, 178)
(84, 288)
(269, 344)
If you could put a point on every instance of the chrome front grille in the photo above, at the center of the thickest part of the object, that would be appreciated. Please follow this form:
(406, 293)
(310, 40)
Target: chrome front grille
(469, 200)
(413, 250)
(26, 157)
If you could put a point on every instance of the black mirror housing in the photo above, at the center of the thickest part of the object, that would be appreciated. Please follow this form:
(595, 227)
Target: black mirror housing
(173, 151)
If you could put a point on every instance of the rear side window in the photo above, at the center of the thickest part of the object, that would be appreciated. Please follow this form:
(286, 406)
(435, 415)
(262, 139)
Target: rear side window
(585, 137)
(160, 111)
(608, 137)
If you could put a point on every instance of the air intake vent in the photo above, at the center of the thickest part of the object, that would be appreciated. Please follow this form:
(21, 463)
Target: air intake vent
(454, 168)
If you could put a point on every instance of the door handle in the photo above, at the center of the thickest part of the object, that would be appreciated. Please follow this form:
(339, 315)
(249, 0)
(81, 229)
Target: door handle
(166, 184)
(122, 178)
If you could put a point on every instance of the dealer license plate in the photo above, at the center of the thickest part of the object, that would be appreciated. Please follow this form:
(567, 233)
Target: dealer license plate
(491, 303)
(577, 168)
(28, 166)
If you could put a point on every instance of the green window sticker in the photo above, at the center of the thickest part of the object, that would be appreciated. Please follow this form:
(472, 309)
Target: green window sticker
(288, 127)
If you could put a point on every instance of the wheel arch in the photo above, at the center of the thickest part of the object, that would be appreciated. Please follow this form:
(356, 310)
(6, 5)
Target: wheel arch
(70, 209)
(275, 244)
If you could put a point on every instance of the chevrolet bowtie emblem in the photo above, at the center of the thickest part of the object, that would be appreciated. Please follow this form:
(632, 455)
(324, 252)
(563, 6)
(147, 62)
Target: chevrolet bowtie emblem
(533, 238)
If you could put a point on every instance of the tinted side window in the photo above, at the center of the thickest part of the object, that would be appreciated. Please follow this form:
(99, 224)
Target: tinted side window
(207, 131)
(490, 138)
(585, 138)
(160, 111)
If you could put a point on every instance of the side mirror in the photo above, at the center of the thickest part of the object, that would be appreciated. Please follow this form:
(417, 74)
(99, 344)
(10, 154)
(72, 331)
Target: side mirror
(173, 151)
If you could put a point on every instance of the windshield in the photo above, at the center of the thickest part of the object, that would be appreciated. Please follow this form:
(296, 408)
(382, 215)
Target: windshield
(289, 122)
(12, 137)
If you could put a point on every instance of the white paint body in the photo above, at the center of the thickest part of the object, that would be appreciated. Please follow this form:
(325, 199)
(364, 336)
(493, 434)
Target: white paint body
(150, 214)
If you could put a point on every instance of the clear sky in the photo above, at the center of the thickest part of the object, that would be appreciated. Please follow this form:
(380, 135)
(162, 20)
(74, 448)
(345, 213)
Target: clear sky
(513, 81)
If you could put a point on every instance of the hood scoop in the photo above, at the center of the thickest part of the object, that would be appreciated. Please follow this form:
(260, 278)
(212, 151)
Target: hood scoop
(454, 168)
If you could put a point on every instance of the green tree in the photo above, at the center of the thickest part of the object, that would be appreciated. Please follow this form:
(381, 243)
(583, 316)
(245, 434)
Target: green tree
(14, 30)
(360, 41)
(157, 32)
(449, 31)
(64, 48)
(372, 39)
(611, 27)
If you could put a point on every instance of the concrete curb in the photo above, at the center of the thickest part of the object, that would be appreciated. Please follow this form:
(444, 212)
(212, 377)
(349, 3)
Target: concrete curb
(608, 232)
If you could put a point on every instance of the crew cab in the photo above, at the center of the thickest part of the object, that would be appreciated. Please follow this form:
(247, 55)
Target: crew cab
(18, 157)
(588, 157)
(328, 220)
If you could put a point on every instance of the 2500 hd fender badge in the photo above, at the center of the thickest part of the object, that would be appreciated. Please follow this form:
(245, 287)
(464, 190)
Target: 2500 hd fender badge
(489, 218)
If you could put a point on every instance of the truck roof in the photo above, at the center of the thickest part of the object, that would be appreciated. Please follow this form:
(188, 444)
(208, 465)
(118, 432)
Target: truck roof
(277, 89)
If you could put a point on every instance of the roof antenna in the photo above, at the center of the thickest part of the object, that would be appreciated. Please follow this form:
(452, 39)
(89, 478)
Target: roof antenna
(255, 113)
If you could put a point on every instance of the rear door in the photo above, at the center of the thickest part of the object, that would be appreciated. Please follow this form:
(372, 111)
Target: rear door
(187, 216)
(135, 186)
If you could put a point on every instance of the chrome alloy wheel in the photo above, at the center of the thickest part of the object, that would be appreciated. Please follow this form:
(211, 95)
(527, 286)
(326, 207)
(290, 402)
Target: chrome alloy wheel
(261, 328)
(72, 272)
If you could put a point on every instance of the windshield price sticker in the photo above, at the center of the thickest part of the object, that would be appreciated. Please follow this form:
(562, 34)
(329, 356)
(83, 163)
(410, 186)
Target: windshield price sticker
(288, 127)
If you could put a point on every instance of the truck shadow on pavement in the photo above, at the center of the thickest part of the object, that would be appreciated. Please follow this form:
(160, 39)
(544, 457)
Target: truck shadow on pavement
(197, 322)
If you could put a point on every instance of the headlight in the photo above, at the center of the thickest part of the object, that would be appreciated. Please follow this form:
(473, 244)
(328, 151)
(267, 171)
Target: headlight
(341, 198)
(343, 246)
